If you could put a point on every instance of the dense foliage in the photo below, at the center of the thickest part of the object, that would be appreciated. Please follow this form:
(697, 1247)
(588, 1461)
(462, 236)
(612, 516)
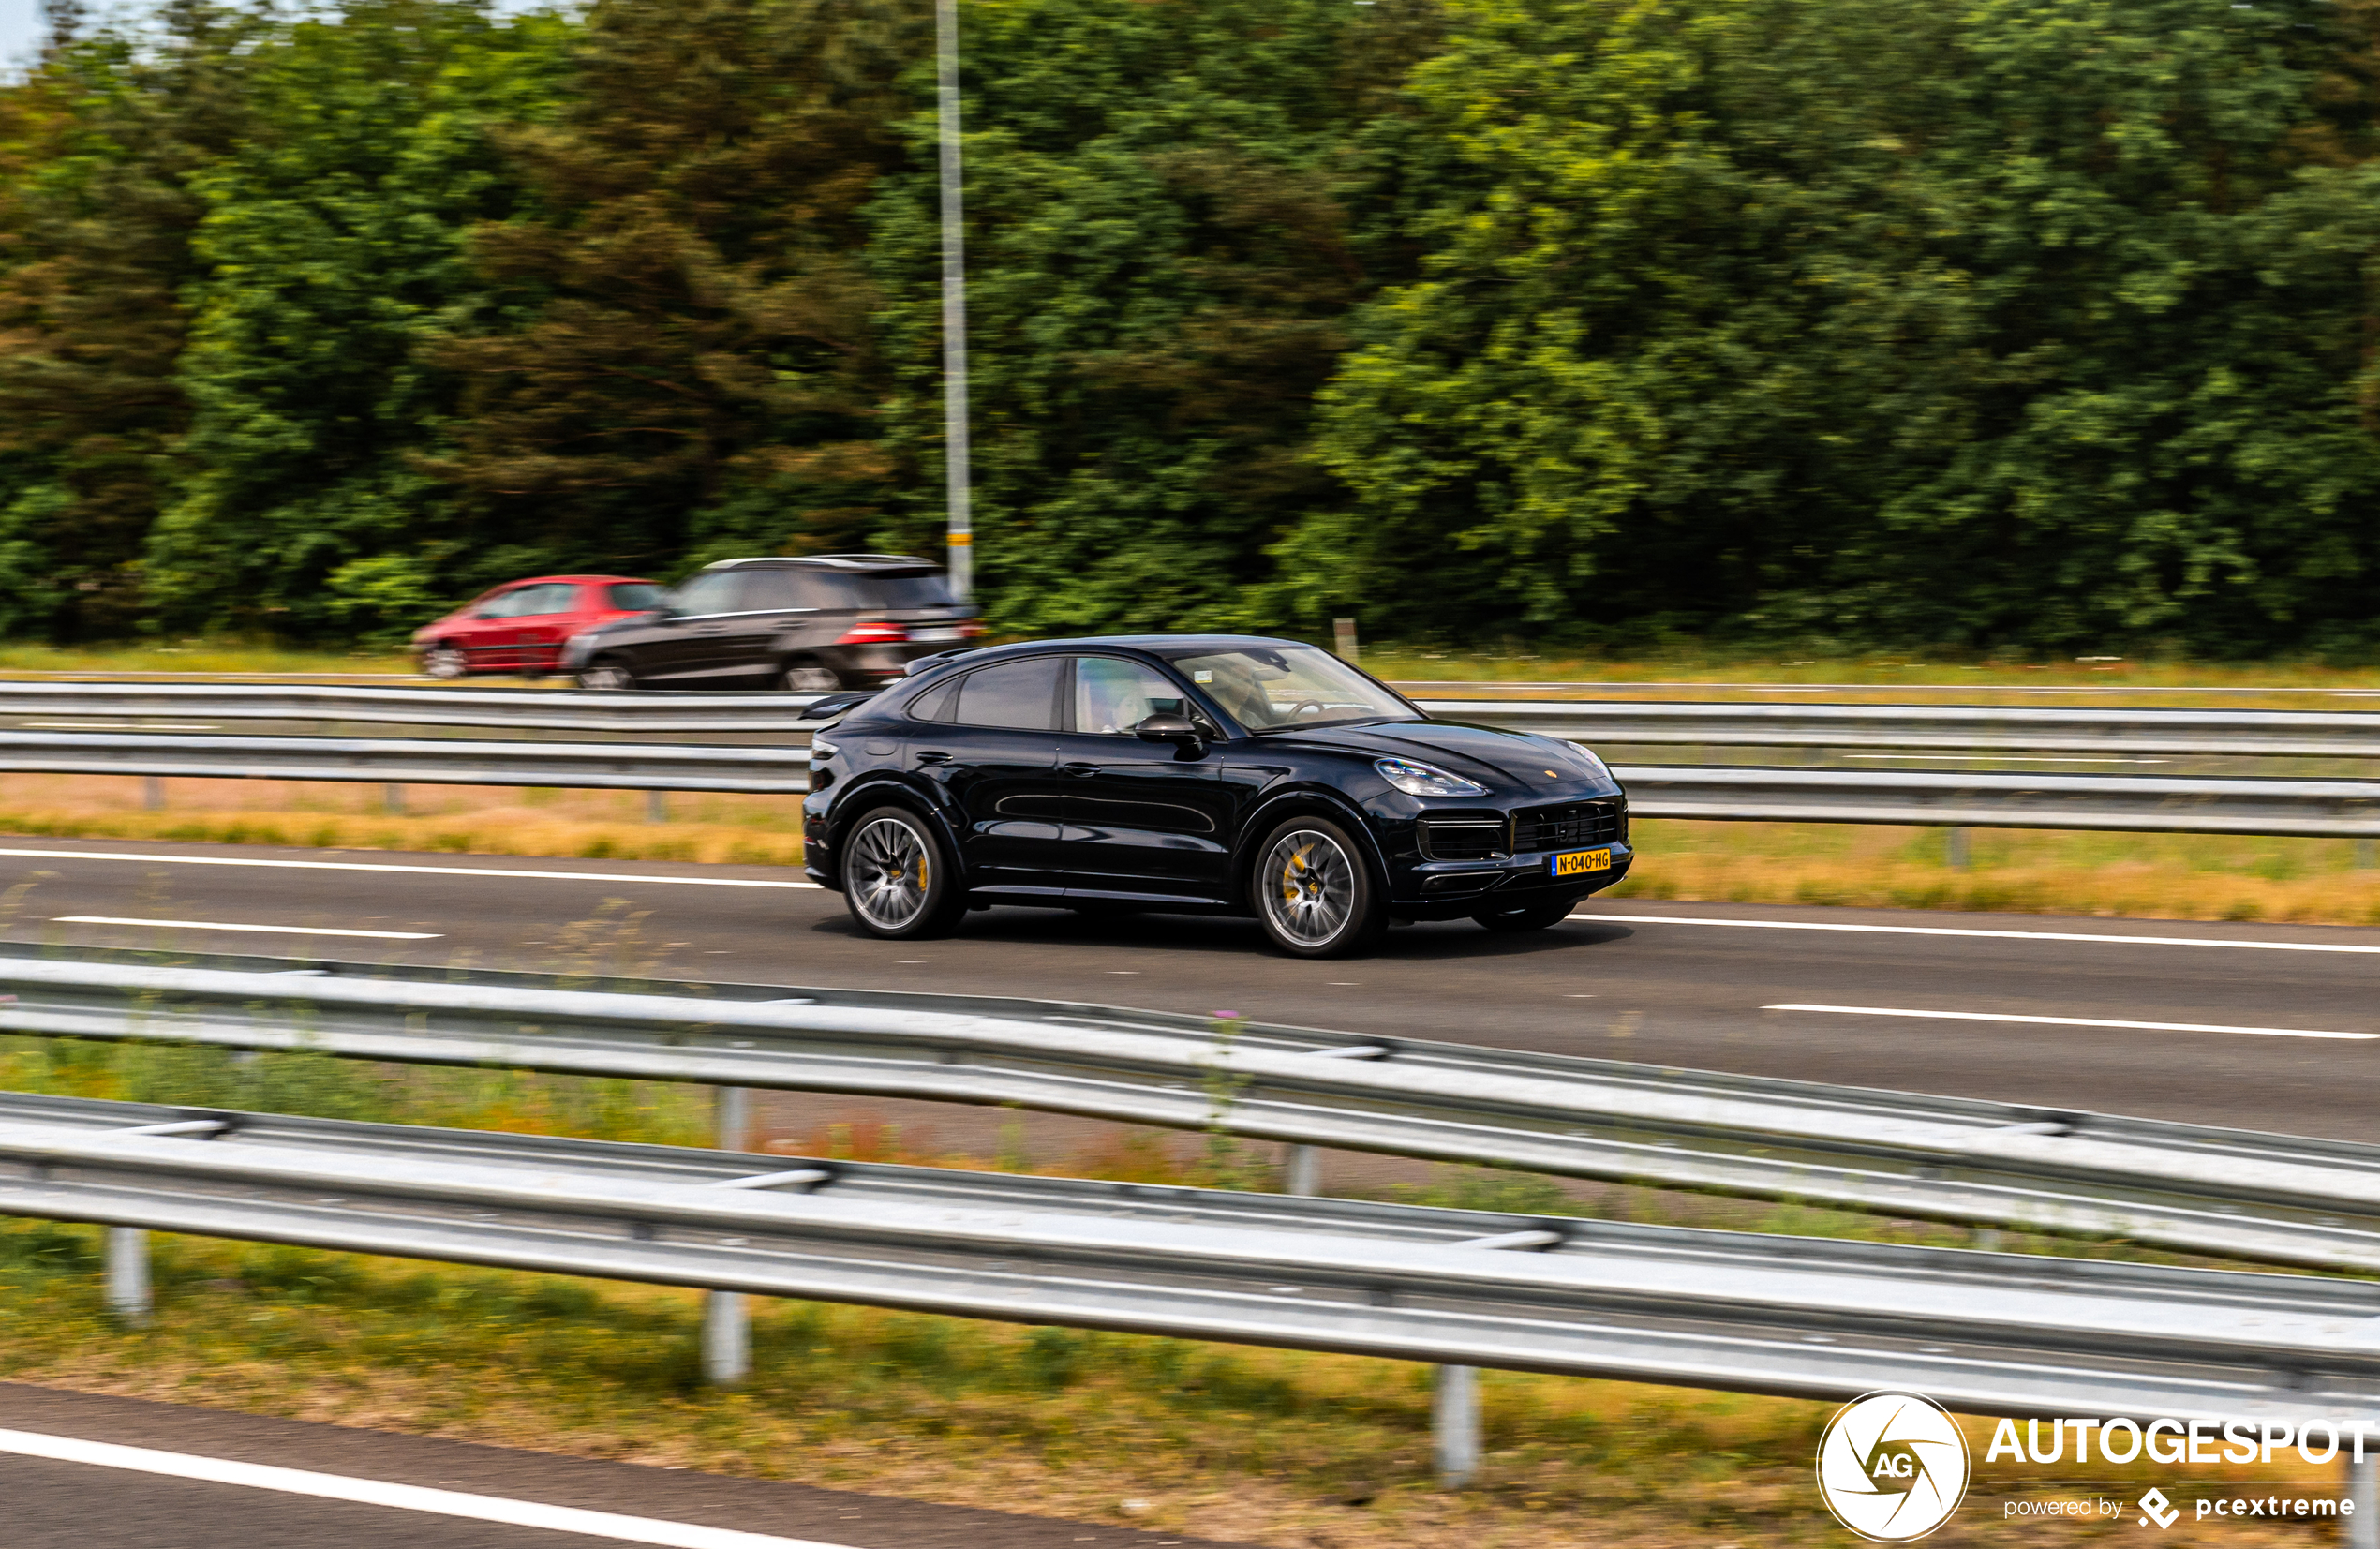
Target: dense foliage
(2022, 324)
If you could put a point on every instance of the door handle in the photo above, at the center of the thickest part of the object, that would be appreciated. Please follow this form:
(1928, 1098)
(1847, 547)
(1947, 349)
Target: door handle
(1079, 770)
(931, 757)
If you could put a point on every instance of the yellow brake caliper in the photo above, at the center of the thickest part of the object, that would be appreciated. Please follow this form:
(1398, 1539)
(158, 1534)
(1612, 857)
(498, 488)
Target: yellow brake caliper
(1290, 875)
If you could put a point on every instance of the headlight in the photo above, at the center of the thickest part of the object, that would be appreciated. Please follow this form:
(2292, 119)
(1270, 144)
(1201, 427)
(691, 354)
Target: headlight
(1595, 766)
(821, 752)
(1422, 779)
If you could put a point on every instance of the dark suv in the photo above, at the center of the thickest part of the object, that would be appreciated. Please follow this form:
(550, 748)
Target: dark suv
(812, 625)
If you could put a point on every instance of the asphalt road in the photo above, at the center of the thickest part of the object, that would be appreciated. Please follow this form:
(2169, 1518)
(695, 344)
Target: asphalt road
(1629, 980)
(461, 1495)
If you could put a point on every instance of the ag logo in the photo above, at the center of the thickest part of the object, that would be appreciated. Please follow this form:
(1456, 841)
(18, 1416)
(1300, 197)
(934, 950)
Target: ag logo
(1892, 1467)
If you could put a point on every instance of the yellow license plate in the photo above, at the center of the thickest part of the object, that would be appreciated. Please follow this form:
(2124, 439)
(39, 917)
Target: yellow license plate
(1579, 861)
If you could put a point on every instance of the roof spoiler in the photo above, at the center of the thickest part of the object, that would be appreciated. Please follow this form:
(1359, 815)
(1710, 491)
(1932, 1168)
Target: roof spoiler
(827, 707)
(928, 664)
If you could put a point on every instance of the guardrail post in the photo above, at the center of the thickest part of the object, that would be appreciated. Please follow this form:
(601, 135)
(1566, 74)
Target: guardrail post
(128, 1289)
(728, 1338)
(657, 806)
(2361, 1530)
(153, 793)
(1302, 1171)
(393, 799)
(1955, 848)
(1455, 1425)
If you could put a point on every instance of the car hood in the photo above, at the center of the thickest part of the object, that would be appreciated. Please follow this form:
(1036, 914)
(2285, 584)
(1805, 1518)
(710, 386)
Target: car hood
(1490, 755)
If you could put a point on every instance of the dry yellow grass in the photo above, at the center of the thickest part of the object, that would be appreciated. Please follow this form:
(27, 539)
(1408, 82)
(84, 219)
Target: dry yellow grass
(714, 829)
(2165, 876)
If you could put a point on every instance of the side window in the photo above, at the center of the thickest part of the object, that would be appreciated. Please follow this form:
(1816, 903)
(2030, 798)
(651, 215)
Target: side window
(504, 605)
(772, 586)
(1023, 694)
(635, 596)
(1113, 695)
(553, 597)
(935, 703)
(712, 591)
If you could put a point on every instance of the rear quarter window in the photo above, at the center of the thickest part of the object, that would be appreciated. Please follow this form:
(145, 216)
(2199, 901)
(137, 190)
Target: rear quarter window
(632, 596)
(919, 589)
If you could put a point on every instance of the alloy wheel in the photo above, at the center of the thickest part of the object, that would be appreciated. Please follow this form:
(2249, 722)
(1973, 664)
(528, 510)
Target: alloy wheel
(1308, 888)
(606, 677)
(890, 873)
(443, 662)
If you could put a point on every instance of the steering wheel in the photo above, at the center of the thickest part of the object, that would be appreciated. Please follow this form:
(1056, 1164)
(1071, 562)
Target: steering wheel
(1308, 707)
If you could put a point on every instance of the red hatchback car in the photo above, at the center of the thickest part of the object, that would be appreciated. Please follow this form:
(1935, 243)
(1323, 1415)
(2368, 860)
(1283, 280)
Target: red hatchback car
(520, 628)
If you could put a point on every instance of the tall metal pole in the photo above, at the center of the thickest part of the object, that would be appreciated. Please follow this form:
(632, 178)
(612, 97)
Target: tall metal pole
(954, 309)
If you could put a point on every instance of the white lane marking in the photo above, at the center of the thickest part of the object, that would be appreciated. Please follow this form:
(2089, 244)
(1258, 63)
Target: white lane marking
(219, 925)
(2075, 1021)
(2027, 758)
(404, 1498)
(1971, 931)
(376, 865)
(110, 726)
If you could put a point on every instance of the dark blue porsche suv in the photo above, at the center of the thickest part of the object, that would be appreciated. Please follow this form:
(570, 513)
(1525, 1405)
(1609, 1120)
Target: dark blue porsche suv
(1207, 774)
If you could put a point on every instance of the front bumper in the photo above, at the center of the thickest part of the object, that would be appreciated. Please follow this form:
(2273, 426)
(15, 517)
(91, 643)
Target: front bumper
(1456, 889)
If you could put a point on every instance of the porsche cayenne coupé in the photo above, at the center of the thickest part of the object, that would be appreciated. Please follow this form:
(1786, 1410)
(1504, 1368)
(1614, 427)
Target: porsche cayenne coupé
(1207, 774)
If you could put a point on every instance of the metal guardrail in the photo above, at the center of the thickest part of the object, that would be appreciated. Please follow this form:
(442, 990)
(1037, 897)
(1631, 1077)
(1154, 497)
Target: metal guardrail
(1989, 1333)
(2234, 1193)
(649, 714)
(2302, 806)
(2333, 808)
(2013, 730)
(2338, 808)
(419, 761)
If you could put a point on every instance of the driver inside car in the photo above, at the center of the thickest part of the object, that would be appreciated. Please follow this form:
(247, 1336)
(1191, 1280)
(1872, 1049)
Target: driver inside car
(1233, 681)
(1114, 697)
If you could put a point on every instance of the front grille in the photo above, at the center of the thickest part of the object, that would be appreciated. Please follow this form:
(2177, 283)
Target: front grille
(1462, 838)
(1536, 828)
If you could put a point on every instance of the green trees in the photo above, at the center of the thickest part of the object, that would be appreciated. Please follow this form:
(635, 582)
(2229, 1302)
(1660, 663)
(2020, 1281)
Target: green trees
(101, 153)
(1172, 209)
(2003, 322)
(332, 251)
(692, 372)
(2039, 322)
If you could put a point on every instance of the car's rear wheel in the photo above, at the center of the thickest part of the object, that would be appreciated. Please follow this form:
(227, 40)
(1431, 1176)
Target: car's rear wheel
(606, 674)
(1314, 893)
(808, 678)
(1535, 918)
(444, 660)
(898, 882)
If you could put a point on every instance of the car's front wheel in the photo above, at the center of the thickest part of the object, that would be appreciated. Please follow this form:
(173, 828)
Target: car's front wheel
(897, 880)
(444, 660)
(606, 674)
(1512, 921)
(1314, 893)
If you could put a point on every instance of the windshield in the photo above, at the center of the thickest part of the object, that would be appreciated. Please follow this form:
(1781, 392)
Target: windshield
(1269, 687)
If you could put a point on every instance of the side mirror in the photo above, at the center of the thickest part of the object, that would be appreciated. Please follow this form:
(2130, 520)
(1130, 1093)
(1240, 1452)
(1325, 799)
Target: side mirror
(1177, 729)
